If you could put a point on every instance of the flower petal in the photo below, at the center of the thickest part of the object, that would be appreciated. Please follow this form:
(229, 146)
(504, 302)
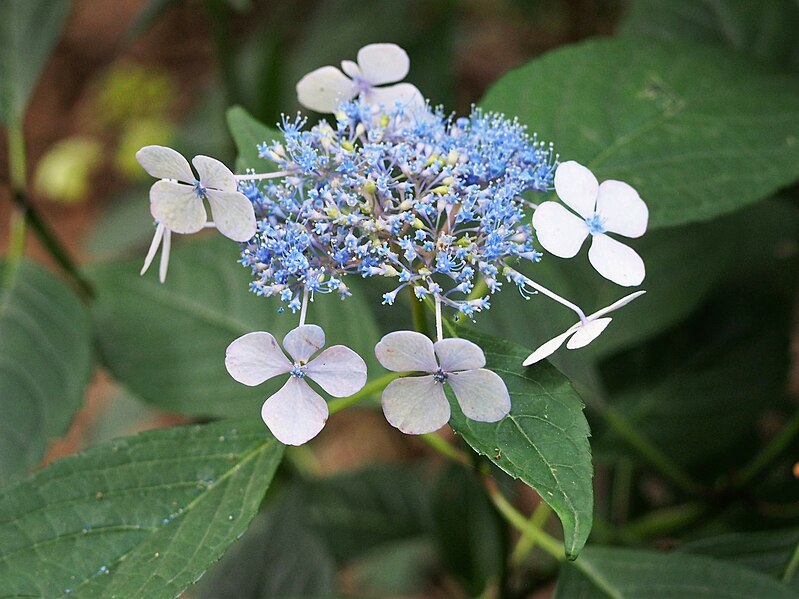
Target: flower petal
(165, 163)
(406, 351)
(322, 90)
(586, 333)
(303, 342)
(548, 348)
(350, 69)
(559, 231)
(177, 206)
(616, 261)
(233, 214)
(622, 209)
(616, 305)
(383, 63)
(404, 94)
(459, 354)
(577, 187)
(416, 405)
(338, 370)
(214, 174)
(254, 358)
(481, 394)
(296, 413)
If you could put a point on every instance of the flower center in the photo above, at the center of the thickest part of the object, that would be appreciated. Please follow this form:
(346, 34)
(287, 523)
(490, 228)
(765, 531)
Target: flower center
(298, 371)
(440, 376)
(199, 189)
(596, 224)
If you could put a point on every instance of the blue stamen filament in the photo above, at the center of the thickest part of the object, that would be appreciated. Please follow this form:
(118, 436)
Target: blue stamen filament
(199, 189)
(440, 376)
(298, 371)
(596, 224)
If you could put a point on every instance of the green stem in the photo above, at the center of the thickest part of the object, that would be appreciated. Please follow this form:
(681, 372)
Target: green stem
(769, 453)
(790, 569)
(418, 314)
(445, 449)
(371, 388)
(664, 522)
(480, 289)
(526, 543)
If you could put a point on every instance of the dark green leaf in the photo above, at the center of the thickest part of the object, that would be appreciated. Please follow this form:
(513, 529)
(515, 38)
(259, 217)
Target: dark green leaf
(544, 439)
(166, 342)
(698, 131)
(141, 516)
(29, 30)
(45, 362)
(357, 511)
(765, 29)
(396, 569)
(277, 557)
(248, 133)
(468, 531)
(604, 573)
(766, 551)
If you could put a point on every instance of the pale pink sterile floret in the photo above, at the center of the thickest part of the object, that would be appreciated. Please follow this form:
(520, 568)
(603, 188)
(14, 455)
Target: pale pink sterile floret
(296, 413)
(418, 404)
(378, 64)
(582, 333)
(609, 207)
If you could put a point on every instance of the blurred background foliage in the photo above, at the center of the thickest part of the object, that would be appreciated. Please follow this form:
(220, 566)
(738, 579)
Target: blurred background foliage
(691, 395)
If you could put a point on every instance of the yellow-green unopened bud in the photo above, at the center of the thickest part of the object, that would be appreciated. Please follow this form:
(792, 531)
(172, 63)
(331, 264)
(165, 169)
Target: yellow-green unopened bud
(441, 189)
(417, 224)
(452, 157)
(384, 120)
(369, 187)
(347, 145)
(390, 271)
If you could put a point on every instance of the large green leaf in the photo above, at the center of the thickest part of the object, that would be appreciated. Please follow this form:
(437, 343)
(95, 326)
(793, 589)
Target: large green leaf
(29, 30)
(603, 573)
(765, 29)
(166, 342)
(278, 557)
(697, 130)
(249, 133)
(45, 362)
(544, 439)
(141, 516)
(767, 551)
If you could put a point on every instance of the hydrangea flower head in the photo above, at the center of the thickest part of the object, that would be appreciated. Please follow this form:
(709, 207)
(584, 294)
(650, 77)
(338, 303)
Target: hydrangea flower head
(325, 88)
(296, 413)
(581, 333)
(612, 207)
(176, 200)
(418, 404)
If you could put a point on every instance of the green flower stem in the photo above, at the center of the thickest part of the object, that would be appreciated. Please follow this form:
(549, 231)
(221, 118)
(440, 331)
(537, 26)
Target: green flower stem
(369, 389)
(527, 543)
(516, 519)
(480, 289)
(665, 521)
(769, 453)
(445, 449)
(16, 168)
(790, 569)
(418, 314)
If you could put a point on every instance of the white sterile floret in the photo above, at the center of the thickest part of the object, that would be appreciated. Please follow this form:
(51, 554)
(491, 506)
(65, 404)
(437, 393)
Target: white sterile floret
(324, 88)
(418, 404)
(582, 333)
(176, 200)
(296, 413)
(612, 207)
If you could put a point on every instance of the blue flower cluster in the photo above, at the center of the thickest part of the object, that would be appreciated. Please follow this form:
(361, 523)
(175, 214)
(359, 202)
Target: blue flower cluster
(417, 197)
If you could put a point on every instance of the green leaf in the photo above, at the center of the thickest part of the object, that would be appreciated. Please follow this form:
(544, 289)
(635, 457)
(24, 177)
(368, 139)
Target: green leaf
(277, 557)
(604, 573)
(166, 342)
(767, 551)
(544, 439)
(765, 29)
(698, 131)
(468, 531)
(249, 133)
(29, 30)
(142, 516)
(357, 511)
(45, 363)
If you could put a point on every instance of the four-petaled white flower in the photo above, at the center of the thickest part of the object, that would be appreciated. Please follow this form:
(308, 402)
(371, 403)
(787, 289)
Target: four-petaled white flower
(296, 413)
(418, 404)
(582, 333)
(324, 88)
(176, 201)
(612, 207)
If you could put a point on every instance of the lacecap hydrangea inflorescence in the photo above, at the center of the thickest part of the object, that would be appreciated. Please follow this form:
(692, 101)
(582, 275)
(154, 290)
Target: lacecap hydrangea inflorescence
(391, 187)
